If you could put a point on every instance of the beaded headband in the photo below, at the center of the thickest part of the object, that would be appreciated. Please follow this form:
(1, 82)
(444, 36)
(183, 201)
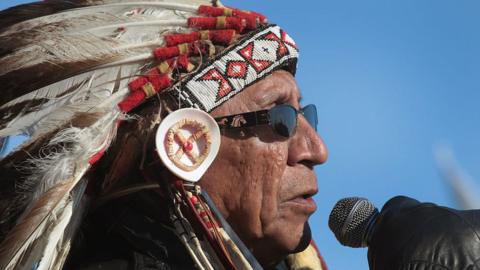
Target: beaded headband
(253, 58)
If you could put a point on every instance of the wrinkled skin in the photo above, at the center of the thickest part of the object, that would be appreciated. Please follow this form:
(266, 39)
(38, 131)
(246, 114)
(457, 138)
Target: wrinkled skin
(262, 182)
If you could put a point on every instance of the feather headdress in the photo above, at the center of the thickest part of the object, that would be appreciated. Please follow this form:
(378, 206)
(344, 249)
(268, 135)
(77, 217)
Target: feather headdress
(70, 71)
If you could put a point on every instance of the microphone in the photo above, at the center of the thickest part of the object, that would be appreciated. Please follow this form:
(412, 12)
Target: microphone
(352, 220)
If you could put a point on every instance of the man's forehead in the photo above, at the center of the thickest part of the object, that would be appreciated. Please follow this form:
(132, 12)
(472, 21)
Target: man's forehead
(279, 87)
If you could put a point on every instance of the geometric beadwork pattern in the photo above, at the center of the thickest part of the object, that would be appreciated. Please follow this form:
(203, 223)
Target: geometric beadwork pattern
(256, 56)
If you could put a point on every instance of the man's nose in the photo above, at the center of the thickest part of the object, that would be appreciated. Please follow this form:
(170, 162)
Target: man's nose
(306, 146)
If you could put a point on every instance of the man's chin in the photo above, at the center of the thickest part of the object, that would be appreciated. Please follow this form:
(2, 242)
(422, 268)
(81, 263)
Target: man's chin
(305, 239)
(269, 256)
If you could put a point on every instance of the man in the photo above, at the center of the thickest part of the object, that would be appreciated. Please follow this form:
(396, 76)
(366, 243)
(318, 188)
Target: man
(264, 183)
(71, 76)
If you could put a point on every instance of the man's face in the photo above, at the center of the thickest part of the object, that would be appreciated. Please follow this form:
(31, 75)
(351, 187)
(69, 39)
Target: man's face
(263, 182)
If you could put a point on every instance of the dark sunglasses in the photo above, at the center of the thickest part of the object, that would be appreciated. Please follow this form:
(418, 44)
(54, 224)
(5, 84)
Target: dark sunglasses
(282, 118)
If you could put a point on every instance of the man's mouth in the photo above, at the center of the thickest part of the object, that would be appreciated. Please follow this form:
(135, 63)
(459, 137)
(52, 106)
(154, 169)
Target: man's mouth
(304, 203)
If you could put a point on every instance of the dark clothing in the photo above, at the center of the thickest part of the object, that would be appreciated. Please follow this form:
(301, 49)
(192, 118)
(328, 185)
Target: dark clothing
(133, 233)
(410, 235)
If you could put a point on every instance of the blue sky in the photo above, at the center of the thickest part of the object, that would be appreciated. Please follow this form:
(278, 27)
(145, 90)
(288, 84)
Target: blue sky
(391, 79)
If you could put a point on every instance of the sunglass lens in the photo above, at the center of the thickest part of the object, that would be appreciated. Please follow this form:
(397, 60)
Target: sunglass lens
(283, 118)
(310, 113)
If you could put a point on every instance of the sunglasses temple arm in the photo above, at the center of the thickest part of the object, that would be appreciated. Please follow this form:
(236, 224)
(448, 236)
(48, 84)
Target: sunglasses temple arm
(243, 120)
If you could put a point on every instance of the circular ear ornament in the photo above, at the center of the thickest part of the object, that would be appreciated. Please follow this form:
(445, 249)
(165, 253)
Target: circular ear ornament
(187, 142)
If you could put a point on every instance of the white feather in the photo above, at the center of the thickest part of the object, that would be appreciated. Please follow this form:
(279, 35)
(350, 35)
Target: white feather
(19, 259)
(157, 23)
(74, 36)
(127, 8)
(49, 253)
(60, 163)
(72, 49)
(46, 233)
(59, 238)
(61, 170)
(95, 87)
(81, 39)
(80, 201)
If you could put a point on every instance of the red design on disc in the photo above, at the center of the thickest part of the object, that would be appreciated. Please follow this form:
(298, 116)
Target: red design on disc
(237, 69)
(188, 146)
(258, 65)
(224, 87)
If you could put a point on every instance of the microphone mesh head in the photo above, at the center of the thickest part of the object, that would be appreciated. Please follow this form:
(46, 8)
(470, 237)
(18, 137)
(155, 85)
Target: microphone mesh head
(350, 220)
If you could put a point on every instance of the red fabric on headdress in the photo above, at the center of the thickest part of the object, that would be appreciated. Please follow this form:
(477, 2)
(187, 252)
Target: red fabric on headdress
(158, 80)
(210, 23)
(188, 49)
(180, 63)
(166, 52)
(222, 37)
(222, 11)
(132, 101)
(183, 62)
(252, 19)
(260, 16)
(214, 11)
(138, 87)
(175, 39)
(137, 83)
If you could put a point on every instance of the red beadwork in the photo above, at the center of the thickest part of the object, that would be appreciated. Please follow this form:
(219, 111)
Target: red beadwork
(203, 215)
(237, 69)
(194, 200)
(209, 225)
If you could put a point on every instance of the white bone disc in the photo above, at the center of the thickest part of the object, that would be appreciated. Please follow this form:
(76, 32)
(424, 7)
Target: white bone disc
(187, 142)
